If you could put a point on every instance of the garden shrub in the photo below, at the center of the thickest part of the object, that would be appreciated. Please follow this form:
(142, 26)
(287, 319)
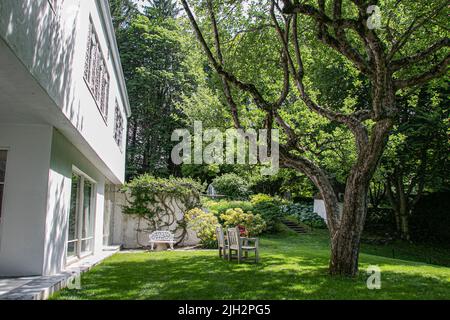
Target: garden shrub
(266, 184)
(261, 197)
(204, 224)
(253, 223)
(221, 206)
(305, 214)
(232, 186)
(269, 208)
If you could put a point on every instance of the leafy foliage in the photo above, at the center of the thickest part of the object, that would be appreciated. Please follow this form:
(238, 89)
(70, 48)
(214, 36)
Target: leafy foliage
(269, 208)
(157, 58)
(157, 200)
(253, 223)
(146, 191)
(305, 214)
(232, 186)
(204, 224)
(219, 207)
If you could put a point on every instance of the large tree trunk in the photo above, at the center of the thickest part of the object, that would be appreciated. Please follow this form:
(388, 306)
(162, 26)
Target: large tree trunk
(346, 239)
(345, 243)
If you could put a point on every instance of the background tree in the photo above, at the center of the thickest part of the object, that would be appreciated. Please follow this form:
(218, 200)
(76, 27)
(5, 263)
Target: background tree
(411, 49)
(418, 160)
(122, 12)
(159, 70)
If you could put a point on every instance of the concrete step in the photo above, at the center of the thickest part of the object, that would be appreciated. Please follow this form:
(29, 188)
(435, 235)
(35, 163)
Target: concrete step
(294, 226)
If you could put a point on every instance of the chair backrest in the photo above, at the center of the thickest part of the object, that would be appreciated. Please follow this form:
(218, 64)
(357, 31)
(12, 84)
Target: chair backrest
(220, 236)
(161, 236)
(233, 237)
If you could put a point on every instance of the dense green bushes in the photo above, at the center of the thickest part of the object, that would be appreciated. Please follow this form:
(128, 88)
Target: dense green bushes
(269, 208)
(219, 207)
(204, 224)
(253, 223)
(232, 186)
(304, 213)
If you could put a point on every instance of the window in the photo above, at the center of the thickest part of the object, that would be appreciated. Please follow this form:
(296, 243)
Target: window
(118, 126)
(95, 72)
(80, 241)
(2, 176)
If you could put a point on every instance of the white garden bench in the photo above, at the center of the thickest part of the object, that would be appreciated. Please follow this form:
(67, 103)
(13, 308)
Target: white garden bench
(162, 237)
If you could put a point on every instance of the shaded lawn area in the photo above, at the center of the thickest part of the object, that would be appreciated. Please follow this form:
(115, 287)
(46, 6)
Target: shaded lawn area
(292, 267)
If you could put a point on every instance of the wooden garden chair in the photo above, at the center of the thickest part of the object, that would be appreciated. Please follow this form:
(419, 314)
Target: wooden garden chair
(221, 242)
(241, 245)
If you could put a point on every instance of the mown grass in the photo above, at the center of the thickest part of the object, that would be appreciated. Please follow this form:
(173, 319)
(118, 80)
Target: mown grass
(292, 267)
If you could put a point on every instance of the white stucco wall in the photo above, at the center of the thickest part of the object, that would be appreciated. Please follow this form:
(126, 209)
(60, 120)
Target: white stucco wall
(36, 200)
(50, 124)
(125, 226)
(52, 44)
(24, 201)
(319, 208)
(64, 156)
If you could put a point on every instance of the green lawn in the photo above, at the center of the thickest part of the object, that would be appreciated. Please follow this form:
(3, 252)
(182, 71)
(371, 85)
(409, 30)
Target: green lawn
(292, 267)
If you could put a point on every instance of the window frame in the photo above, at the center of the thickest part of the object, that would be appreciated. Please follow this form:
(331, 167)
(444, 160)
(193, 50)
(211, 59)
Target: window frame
(79, 254)
(95, 66)
(118, 137)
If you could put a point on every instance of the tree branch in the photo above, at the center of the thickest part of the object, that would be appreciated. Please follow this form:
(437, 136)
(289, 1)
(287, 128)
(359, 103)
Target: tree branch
(415, 24)
(419, 56)
(247, 87)
(339, 44)
(226, 87)
(320, 179)
(352, 122)
(434, 72)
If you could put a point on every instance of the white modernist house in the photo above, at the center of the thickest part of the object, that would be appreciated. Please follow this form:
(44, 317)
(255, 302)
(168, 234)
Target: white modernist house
(63, 118)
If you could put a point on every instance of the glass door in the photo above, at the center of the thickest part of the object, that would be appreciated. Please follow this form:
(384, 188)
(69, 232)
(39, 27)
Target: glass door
(87, 226)
(80, 240)
(72, 242)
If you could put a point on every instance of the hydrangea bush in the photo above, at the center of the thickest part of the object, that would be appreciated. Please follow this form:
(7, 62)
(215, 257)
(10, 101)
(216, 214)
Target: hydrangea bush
(253, 223)
(204, 224)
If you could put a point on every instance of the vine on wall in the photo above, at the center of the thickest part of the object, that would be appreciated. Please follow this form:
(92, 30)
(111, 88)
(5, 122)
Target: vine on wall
(155, 201)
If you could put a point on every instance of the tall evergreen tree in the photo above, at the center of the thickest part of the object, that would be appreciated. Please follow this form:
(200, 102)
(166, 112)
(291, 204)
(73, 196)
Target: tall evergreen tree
(153, 49)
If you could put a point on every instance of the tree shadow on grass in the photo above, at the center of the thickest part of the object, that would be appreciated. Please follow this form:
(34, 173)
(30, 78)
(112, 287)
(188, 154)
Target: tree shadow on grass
(205, 276)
